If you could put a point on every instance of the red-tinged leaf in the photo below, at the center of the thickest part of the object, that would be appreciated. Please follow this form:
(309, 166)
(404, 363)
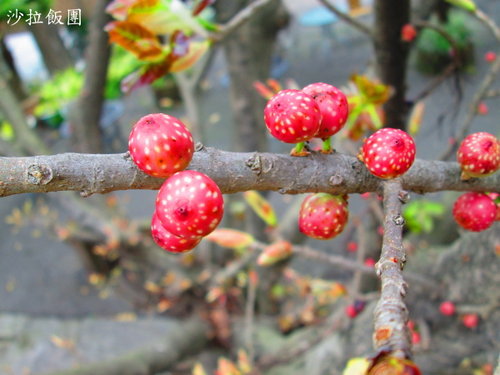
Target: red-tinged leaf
(200, 6)
(198, 369)
(163, 17)
(231, 238)
(144, 76)
(274, 85)
(263, 90)
(136, 39)
(372, 91)
(226, 367)
(415, 121)
(274, 253)
(214, 294)
(261, 207)
(244, 362)
(356, 366)
(118, 9)
(195, 51)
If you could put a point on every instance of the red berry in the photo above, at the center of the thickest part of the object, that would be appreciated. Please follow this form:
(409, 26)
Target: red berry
(447, 308)
(333, 106)
(167, 240)
(350, 311)
(411, 325)
(479, 155)
(323, 216)
(190, 204)
(474, 211)
(415, 338)
(352, 246)
(490, 56)
(388, 153)
(160, 145)
(470, 320)
(370, 262)
(292, 116)
(408, 33)
(482, 108)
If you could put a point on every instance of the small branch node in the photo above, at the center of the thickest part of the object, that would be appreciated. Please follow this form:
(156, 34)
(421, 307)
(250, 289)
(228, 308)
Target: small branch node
(39, 174)
(86, 193)
(404, 196)
(198, 147)
(336, 180)
(255, 164)
(398, 220)
(126, 155)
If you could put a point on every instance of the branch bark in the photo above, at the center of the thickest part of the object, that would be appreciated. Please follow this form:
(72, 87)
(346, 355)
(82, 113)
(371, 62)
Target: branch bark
(391, 313)
(232, 171)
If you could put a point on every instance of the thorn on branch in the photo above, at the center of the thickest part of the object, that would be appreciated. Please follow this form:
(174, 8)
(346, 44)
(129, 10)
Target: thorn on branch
(404, 196)
(39, 174)
(398, 220)
(336, 180)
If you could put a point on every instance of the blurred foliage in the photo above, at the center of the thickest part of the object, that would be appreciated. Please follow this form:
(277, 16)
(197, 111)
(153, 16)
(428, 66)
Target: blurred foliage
(65, 86)
(420, 215)
(23, 6)
(434, 52)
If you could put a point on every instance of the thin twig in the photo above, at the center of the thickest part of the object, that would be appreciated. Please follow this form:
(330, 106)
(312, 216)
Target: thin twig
(488, 80)
(488, 22)
(348, 18)
(391, 314)
(250, 315)
(239, 19)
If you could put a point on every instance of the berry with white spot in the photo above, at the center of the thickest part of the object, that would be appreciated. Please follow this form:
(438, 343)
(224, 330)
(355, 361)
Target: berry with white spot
(479, 155)
(388, 153)
(160, 145)
(474, 211)
(190, 204)
(168, 241)
(292, 116)
(323, 216)
(334, 109)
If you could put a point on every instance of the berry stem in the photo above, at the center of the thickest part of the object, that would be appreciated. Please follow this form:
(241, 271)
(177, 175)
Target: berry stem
(327, 146)
(299, 150)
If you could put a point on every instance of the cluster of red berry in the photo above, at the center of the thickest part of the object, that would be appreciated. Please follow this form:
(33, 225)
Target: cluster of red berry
(320, 110)
(478, 156)
(189, 204)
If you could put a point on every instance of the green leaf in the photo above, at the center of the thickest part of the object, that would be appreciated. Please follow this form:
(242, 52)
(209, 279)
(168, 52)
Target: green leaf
(6, 131)
(419, 215)
(468, 5)
(261, 207)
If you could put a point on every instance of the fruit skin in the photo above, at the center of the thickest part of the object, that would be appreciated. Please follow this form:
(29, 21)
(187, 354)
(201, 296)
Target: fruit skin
(332, 105)
(479, 155)
(474, 211)
(470, 320)
(408, 33)
(350, 311)
(323, 216)
(167, 240)
(292, 116)
(190, 204)
(160, 145)
(447, 308)
(388, 153)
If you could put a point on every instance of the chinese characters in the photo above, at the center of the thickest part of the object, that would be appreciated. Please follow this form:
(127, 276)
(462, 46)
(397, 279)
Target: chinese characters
(53, 17)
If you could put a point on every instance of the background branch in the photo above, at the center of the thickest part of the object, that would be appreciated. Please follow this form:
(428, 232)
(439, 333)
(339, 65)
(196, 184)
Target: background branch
(348, 18)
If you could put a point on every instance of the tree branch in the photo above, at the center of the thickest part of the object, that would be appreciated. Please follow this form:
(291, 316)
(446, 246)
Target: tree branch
(391, 314)
(347, 18)
(239, 19)
(232, 171)
(471, 114)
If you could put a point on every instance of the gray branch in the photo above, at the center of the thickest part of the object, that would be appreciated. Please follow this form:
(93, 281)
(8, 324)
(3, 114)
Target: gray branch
(232, 171)
(391, 314)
